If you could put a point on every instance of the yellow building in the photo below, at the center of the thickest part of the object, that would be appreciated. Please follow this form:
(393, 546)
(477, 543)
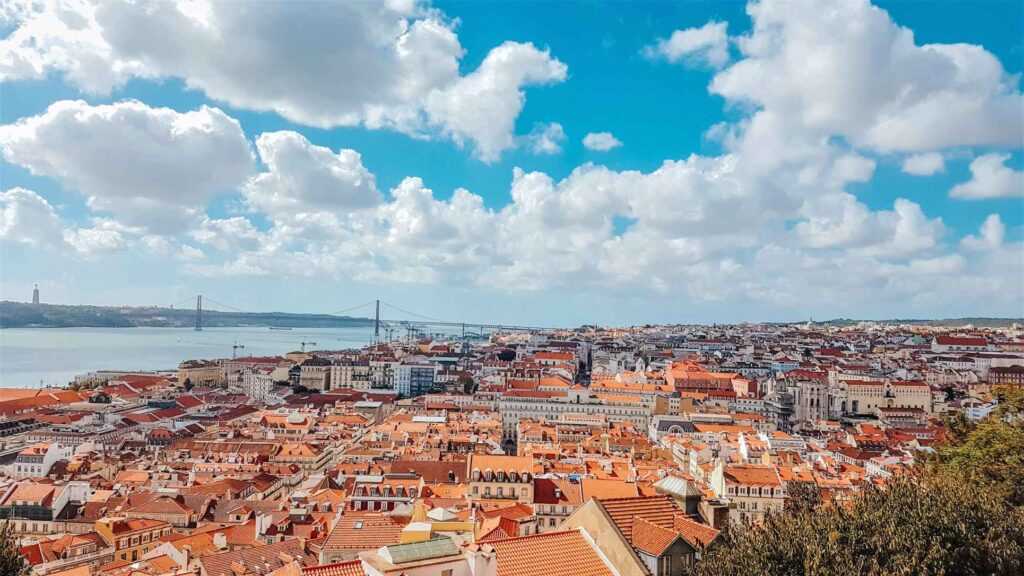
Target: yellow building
(131, 538)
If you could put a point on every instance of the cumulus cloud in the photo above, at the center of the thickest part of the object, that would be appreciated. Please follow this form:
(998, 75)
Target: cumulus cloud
(483, 106)
(841, 221)
(26, 217)
(601, 141)
(388, 65)
(546, 138)
(990, 236)
(772, 220)
(708, 45)
(990, 178)
(924, 164)
(302, 177)
(152, 167)
(850, 71)
(104, 236)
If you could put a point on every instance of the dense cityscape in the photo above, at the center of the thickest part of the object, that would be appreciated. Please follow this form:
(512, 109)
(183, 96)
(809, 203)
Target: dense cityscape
(511, 288)
(594, 451)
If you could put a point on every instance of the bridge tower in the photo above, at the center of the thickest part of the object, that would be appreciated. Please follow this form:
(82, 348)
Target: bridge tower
(376, 325)
(199, 312)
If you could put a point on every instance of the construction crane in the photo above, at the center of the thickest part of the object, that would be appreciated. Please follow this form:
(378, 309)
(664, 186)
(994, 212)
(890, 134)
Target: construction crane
(235, 348)
(307, 343)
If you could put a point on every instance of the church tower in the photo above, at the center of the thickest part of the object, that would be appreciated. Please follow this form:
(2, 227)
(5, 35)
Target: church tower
(35, 294)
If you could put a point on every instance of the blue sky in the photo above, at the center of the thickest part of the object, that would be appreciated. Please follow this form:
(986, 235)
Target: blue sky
(845, 241)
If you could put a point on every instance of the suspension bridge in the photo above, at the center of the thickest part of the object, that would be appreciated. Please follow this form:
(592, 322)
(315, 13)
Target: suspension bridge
(398, 318)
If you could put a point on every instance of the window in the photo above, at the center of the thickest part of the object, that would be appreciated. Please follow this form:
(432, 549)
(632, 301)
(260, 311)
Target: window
(446, 572)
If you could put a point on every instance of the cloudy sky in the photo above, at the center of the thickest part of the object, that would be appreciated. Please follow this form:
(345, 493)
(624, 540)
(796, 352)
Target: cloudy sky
(538, 163)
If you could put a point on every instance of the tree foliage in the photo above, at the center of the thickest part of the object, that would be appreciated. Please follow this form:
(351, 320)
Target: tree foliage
(961, 512)
(12, 563)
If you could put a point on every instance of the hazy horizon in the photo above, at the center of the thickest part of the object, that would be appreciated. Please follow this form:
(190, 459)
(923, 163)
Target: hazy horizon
(692, 162)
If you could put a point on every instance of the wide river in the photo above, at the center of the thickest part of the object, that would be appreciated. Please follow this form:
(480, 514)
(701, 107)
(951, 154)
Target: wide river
(54, 356)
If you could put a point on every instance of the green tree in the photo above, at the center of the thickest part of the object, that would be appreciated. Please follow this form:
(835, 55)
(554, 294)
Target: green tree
(991, 452)
(960, 512)
(12, 563)
(914, 525)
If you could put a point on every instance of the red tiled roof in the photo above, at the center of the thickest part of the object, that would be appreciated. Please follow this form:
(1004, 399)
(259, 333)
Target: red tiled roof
(659, 510)
(350, 568)
(364, 531)
(565, 553)
(651, 538)
(697, 534)
(961, 341)
(544, 491)
(275, 555)
(752, 474)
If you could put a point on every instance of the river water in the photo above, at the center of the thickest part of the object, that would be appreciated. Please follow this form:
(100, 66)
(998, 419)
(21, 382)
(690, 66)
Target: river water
(54, 356)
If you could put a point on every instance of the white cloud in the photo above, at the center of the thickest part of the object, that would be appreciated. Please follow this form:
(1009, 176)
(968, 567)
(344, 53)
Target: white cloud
(482, 107)
(708, 44)
(770, 222)
(302, 177)
(546, 138)
(841, 221)
(601, 141)
(26, 217)
(228, 234)
(849, 71)
(388, 65)
(990, 178)
(104, 236)
(924, 164)
(991, 235)
(153, 167)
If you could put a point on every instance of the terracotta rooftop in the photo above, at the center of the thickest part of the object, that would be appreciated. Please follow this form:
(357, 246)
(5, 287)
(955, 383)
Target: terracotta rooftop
(651, 538)
(752, 474)
(565, 553)
(658, 510)
(350, 568)
(258, 559)
(365, 531)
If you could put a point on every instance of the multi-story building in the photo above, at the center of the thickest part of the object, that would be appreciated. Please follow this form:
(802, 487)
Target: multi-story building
(33, 508)
(752, 489)
(549, 406)
(382, 374)
(353, 374)
(943, 344)
(132, 538)
(494, 477)
(36, 460)
(315, 374)
(414, 379)
(201, 372)
(554, 500)
(258, 384)
(384, 492)
(1006, 376)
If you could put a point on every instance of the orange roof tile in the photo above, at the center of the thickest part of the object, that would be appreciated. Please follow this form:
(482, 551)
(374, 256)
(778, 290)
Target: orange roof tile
(549, 554)
(651, 538)
(350, 568)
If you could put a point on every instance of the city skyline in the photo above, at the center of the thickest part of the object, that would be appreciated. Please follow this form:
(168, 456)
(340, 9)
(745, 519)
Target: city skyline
(663, 163)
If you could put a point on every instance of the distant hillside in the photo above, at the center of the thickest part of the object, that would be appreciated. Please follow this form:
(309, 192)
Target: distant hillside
(980, 322)
(24, 315)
